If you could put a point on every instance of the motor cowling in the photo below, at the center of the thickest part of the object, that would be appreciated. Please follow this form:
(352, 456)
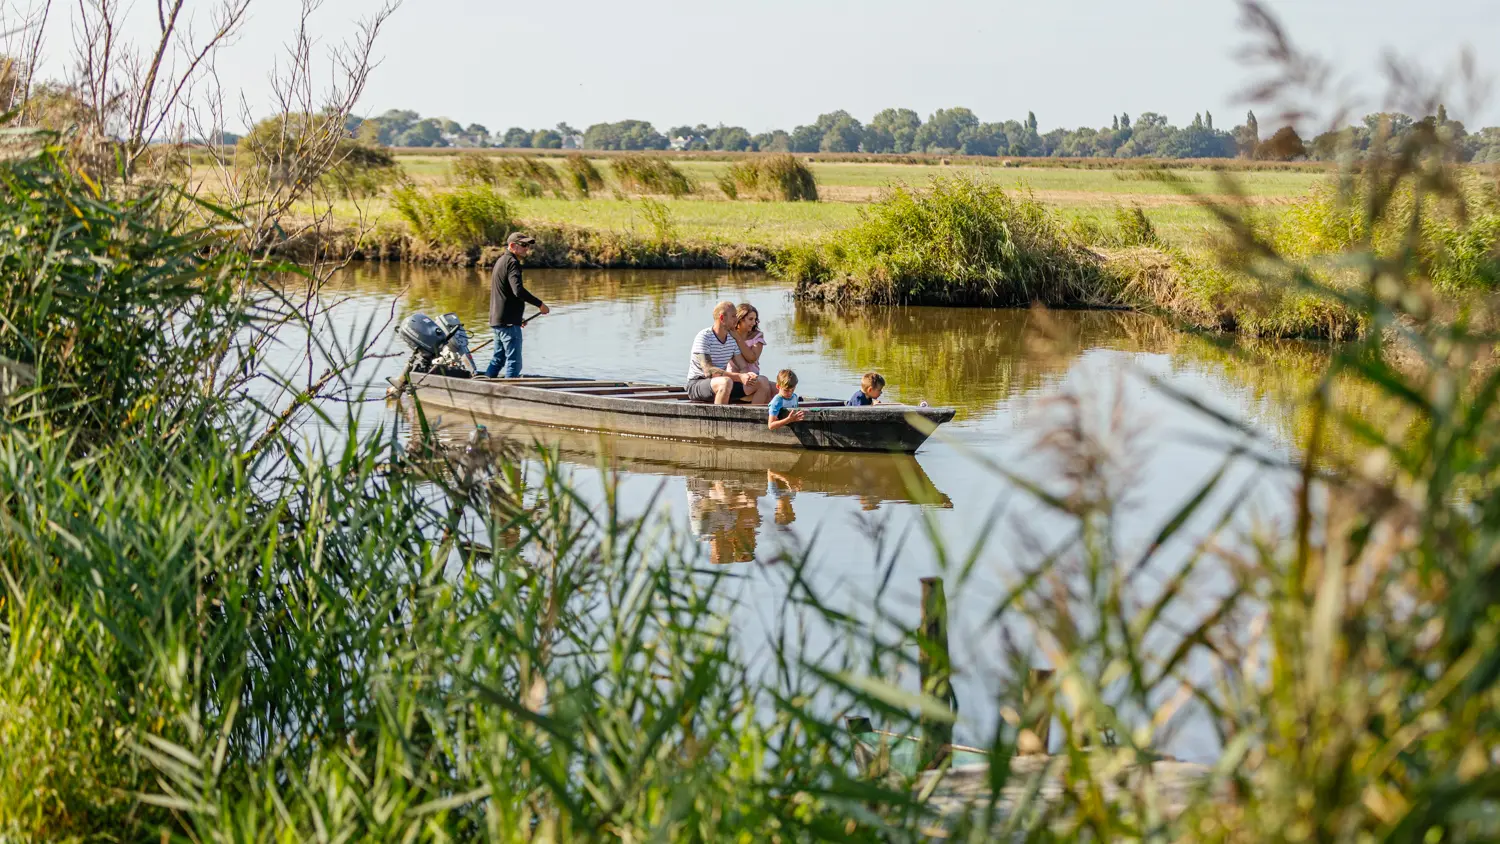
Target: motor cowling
(421, 333)
(458, 338)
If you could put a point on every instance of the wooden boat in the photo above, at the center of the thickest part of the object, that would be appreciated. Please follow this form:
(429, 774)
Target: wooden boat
(656, 410)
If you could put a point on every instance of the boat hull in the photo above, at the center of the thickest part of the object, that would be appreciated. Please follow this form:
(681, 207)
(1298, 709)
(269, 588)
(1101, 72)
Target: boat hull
(879, 428)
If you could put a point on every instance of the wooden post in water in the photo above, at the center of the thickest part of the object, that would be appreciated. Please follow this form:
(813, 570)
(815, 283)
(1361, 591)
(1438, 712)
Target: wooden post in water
(1035, 737)
(935, 666)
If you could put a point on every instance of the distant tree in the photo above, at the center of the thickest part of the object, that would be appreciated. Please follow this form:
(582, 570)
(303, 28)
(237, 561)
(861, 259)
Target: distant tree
(449, 127)
(1125, 122)
(1247, 137)
(626, 135)
(1284, 145)
(423, 133)
(1031, 120)
(805, 139)
(730, 139)
(1198, 121)
(516, 138)
(843, 135)
(984, 139)
(1208, 120)
(567, 131)
(898, 125)
(940, 132)
(476, 130)
(546, 139)
(1116, 127)
(777, 141)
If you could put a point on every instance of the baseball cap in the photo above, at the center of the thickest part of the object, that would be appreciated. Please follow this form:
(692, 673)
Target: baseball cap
(520, 239)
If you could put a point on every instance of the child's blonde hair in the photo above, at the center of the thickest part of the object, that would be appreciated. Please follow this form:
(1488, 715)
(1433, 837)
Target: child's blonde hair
(786, 379)
(872, 381)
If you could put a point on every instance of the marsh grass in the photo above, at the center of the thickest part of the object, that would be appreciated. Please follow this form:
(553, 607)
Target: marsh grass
(960, 241)
(782, 178)
(464, 218)
(472, 168)
(585, 176)
(530, 177)
(654, 175)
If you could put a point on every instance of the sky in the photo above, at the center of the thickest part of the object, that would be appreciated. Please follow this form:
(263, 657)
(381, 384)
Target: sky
(779, 63)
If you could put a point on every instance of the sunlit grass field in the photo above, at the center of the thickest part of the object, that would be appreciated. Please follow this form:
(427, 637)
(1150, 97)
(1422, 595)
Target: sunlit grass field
(1167, 198)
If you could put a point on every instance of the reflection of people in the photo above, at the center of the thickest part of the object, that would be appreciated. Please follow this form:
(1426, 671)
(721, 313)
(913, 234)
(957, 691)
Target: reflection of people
(748, 336)
(870, 388)
(783, 490)
(725, 515)
(708, 378)
(508, 298)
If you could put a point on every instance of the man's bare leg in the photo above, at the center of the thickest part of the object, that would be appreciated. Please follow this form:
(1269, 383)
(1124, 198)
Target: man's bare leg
(723, 389)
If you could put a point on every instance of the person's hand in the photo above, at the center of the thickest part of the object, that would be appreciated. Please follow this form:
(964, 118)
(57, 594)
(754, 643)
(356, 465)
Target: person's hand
(749, 379)
(544, 309)
(797, 415)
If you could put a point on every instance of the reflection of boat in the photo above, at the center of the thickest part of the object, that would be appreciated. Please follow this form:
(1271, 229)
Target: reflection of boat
(653, 410)
(872, 477)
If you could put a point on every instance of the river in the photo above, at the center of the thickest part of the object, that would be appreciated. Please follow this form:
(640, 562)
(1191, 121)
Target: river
(1026, 385)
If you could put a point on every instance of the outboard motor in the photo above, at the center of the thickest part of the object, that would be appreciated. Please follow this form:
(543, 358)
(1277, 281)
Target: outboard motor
(458, 339)
(440, 348)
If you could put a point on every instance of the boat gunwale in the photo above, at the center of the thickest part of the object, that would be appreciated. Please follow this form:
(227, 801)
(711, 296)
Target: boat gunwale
(512, 389)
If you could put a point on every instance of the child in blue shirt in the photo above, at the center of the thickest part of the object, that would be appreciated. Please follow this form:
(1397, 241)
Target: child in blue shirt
(870, 388)
(783, 408)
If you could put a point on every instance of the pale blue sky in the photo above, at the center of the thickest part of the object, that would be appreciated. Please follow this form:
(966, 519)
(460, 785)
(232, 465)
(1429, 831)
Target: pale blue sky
(777, 63)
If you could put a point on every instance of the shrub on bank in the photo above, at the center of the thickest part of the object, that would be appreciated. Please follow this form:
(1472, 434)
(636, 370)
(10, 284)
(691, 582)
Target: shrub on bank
(961, 242)
(464, 218)
(783, 178)
(648, 174)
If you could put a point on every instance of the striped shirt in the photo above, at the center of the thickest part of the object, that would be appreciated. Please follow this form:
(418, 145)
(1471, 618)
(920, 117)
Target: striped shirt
(718, 353)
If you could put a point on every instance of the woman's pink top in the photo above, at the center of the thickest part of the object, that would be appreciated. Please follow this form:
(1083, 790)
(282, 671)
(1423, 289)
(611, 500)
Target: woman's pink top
(757, 340)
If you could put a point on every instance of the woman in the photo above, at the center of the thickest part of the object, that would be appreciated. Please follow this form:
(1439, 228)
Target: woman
(748, 336)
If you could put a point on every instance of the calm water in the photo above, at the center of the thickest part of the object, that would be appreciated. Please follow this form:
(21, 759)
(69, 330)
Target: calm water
(1015, 376)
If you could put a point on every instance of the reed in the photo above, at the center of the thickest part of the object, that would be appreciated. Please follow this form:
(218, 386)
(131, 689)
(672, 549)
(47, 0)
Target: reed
(464, 218)
(585, 176)
(654, 175)
(961, 241)
(782, 178)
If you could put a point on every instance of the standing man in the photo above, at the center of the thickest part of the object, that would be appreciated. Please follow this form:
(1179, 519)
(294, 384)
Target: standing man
(508, 298)
(708, 378)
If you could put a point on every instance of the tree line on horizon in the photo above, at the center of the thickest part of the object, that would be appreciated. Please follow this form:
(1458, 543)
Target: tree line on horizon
(955, 131)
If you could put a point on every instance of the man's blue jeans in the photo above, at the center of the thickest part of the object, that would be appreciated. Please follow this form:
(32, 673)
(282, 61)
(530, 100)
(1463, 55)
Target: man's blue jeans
(507, 352)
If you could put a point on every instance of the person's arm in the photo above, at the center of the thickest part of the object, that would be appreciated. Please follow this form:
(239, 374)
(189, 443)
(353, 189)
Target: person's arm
(513, 278)
(750, 352)
(706, 364)
(794, 416)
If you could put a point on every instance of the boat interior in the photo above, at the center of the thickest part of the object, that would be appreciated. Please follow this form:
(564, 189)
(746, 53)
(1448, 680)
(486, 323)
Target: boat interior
(624, 390)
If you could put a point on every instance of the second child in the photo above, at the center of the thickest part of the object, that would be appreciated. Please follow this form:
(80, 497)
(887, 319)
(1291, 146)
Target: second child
(870, 388)
(783, 408)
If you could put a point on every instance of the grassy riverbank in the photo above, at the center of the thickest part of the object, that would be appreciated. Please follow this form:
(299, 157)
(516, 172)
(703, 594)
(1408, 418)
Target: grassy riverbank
(892, 233)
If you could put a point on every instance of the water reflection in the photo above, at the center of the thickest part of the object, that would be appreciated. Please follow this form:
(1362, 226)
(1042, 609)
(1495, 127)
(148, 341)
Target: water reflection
(725, 487)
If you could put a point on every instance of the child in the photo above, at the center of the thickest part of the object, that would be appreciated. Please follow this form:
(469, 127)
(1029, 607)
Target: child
(870, 388)
(783, 408)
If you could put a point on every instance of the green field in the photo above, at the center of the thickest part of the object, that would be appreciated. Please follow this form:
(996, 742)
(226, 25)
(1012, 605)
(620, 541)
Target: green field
(846, 186)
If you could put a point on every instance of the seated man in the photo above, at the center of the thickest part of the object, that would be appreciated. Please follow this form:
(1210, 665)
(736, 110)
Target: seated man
(709, 379)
